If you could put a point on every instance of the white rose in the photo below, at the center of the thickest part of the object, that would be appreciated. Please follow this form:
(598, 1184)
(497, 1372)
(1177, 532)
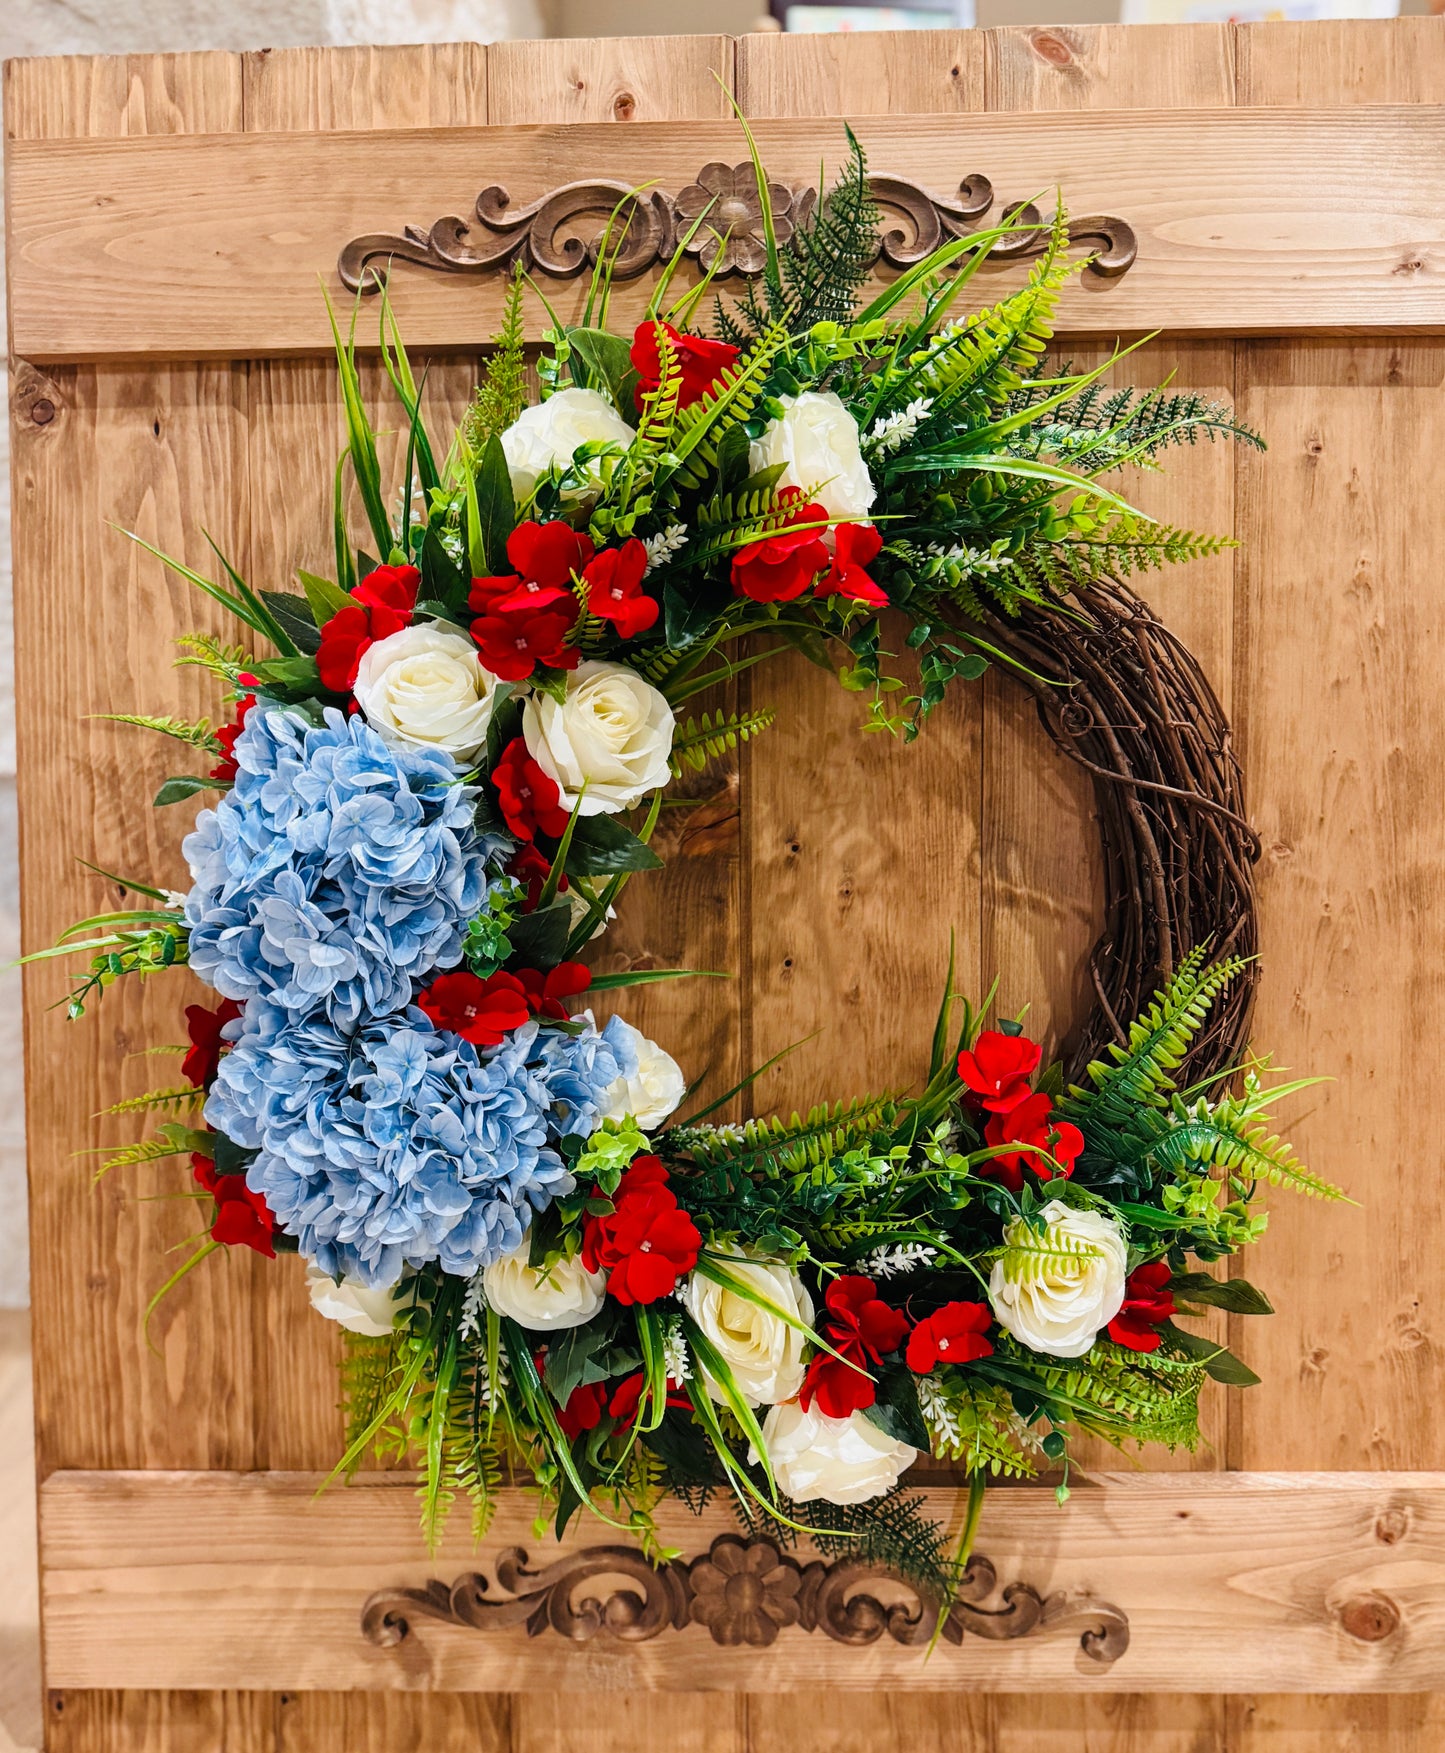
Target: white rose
(653, 1090)
(358, 1308)
(841, 1460)
(613, 734)
(547, 433)
(763, 1352)
(564, 1295)
(1058, 1305)
(817, 438)
(426, 685)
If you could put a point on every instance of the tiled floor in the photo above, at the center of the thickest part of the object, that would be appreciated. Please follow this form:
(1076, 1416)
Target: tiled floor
(20, 1730)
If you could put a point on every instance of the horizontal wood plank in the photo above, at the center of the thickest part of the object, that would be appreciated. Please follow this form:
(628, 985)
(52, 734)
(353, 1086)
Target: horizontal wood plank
(1247, 1582)
(1249, 221)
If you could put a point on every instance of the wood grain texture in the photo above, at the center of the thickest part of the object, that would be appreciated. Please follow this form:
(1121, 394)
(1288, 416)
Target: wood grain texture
(1110, 67)
(1233, 1582)
(395, 1722)
(160, 1722)
(1247, 222)
(295, 91)
(611, 79)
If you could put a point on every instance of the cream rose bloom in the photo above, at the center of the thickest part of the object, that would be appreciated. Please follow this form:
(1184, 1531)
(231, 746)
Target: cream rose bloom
(653, 1090)
(612, 734)
(817, 438)
(763, 1352)
(547, 433)
(426, 685)
(358, 1309)
(841, 1460)
(1059, 1306)
(565, 1295)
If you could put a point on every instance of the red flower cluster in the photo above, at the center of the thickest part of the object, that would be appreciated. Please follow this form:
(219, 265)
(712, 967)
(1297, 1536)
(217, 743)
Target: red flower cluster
(646, 1242)
(855, 547)
(531, 868)
(243, 1218)
(480, 1011)
(226, 736)
(587, 1403)
(863, 1330)
(545, 992)
(702, 361)
(385, 601)
(614, 589)
(204, 1029)
(529, 798)
(523, 618)
(996, 1073)
(782, 564)
(952, 1334)
(1147, 1305)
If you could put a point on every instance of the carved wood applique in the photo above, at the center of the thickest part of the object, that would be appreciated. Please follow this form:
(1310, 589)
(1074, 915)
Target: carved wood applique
(719, 214)
(744, 1592)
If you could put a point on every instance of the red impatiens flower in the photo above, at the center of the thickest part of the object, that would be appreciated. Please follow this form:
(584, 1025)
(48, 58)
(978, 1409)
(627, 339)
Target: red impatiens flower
(529, 798)
(1147, 1305)
(646, 1242)
(514, 640)
(702, 361)
(547, 557)
(855, 546)
(226, 736)
(952, 1334)
(1029, 1123)
(615, 592)
(998, 1069)
(481, 1011)
(204, 1028)
(863, 1329)
(782, 564)
(385, 600)
(583, 1411)
(243, 1218)
(545, 992)
(624, 1403)
(531, 868)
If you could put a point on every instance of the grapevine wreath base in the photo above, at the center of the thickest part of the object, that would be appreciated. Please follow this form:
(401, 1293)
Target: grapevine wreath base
(552, 1263)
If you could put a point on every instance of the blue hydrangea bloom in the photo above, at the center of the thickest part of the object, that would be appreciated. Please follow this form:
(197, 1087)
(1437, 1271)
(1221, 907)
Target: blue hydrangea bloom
(396, 1145)
(337, 872)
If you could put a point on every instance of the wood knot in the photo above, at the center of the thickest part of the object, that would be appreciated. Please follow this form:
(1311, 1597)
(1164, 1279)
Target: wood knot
(1050, 47)
(42, 412)
(1370, 1618)
(624, 106)
(1391, 1527)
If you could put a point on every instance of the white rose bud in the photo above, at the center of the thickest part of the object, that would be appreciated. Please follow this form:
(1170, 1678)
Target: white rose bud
(425, 685)
(564, 1295)
(841, 1460)
(653, 1090)
(1059, 1304)
(612, 734)
(546, 434)
(817, 438)
(763, 1352)
(357, 1308)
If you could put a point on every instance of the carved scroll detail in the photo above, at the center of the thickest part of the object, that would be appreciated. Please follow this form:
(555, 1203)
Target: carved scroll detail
(559, 234)
(743, 1592)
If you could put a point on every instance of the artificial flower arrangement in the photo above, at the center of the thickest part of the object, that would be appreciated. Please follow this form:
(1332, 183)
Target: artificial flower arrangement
(550, 1262)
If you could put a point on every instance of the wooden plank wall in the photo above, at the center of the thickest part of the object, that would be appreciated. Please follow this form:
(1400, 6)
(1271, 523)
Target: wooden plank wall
(1320, 631)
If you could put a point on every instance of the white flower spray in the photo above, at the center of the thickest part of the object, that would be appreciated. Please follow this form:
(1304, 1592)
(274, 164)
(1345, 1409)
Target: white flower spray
(893, 431)
(662, 547)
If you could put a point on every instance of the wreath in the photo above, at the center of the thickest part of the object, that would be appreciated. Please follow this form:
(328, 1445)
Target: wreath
(551, 1260)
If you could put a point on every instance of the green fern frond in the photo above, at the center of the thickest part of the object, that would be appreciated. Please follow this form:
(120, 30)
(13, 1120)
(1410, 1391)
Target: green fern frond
(729, 402)
(775, 1145)
(184, 1095)
(699, 741)
(831, 252)
(660, 406)
(207, 652)
(502, 394)
(1222, 1137)
(147, 1150)
(199, 735)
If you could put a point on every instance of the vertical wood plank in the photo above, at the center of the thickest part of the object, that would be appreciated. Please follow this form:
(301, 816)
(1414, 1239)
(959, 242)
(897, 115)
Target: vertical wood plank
(1121, 1723)
(419, 85)
(859, 1722)
(160, 1722)
(1342, 744)
(393, 1722)
(687, 915)
(855, 897)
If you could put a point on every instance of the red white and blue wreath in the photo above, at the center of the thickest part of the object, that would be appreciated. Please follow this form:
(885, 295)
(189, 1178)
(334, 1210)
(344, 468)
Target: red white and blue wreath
(552, 1263)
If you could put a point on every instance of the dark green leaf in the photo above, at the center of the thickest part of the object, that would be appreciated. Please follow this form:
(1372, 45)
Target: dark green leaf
(505, 722)
(185, 785)
(572, 1359)
(685, 617)
(605, 364)
(601, 846)
(896, 1409)
(290, 678)
(442, 578)
(1237, 1295)
(539, 940)
(496, 511)
(325, 598)
(1218, 1362)
(293, 613)
(231, 1158)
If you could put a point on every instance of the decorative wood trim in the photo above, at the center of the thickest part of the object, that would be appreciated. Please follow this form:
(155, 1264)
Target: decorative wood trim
(1311, 1582)
(1247, 221)
(722, 202)
(743, 1592)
